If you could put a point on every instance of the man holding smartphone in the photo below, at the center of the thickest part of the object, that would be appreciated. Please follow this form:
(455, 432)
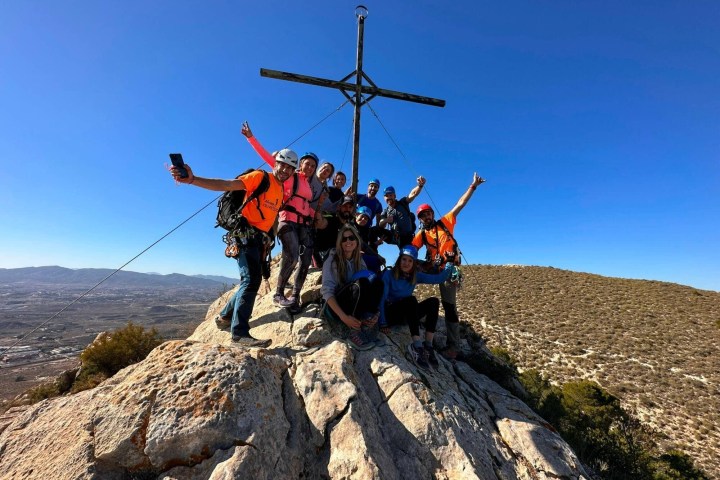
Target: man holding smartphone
(260, 216)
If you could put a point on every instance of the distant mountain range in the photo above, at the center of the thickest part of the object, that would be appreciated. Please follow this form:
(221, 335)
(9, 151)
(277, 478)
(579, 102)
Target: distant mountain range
(55, 275)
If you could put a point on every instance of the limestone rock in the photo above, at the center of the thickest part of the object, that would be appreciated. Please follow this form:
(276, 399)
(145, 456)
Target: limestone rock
(306, 407)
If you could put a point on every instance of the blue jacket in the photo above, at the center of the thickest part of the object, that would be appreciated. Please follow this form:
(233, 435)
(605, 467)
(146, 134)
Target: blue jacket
(398, 288)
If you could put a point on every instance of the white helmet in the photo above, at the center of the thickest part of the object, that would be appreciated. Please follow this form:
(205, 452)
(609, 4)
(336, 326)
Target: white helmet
(287, 156)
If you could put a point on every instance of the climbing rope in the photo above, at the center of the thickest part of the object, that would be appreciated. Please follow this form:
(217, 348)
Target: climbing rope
(214, 200)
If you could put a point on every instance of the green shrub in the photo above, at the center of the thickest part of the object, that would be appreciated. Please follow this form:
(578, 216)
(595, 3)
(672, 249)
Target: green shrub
(43, 391)
(112, 352)
(675, 465)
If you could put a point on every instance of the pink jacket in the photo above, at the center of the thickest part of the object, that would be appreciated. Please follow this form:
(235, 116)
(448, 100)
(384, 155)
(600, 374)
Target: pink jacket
(296, 209)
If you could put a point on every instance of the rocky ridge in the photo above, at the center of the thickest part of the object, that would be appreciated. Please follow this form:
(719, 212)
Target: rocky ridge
(306, 407)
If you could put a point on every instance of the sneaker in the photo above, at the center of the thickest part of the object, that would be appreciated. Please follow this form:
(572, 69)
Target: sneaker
(354, 339)
(222, 322)
(249, 341)
(419, 356)
(281, 301)
(432, 359)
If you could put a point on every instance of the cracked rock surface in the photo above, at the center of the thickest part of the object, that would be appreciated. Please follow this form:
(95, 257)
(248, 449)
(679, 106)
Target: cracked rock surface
(306, 407)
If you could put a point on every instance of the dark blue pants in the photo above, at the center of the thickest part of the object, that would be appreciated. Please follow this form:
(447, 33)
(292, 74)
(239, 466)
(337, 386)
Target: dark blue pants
(242, 303)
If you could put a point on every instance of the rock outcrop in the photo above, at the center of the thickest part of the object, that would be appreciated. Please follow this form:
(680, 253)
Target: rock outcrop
(306, 407)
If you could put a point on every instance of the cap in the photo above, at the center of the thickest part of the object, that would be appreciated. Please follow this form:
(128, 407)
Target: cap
(374, 181)
(347, 199)
(389, 190)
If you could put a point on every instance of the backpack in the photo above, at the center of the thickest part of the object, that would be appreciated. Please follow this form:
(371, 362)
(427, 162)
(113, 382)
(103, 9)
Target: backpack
(456, 248)
(231, 203)
(411, 215)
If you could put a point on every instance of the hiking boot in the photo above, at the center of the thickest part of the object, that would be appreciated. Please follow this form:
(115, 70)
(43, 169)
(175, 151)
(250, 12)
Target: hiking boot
(419, 356)
(432, 359)
(249, 341)
(222, 322)
(355, 340)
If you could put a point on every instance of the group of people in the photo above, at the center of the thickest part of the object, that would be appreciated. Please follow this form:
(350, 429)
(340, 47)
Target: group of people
(338, 231)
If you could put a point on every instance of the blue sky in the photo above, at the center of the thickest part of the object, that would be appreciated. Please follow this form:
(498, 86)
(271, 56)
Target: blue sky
(596, 125)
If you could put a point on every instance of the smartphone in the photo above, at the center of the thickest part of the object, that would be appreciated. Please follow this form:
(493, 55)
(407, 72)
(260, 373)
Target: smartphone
(177, 161)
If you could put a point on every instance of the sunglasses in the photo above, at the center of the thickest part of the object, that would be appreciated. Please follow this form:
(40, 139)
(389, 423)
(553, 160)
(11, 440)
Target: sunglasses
(350, 238)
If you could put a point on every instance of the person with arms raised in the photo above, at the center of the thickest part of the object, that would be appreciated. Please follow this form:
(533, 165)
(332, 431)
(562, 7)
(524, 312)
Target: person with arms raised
(441, 247)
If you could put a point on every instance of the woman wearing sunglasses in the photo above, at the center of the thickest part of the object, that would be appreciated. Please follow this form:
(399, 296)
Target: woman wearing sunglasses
(351, 293)
(399, 306)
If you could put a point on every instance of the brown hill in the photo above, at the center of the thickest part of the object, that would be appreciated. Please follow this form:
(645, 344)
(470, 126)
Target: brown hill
(653, 344)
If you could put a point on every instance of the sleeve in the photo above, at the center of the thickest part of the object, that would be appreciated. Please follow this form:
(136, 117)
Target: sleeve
(386, 278)
(329, 281)
(433, 279)
(260, 150)
(252, 180)
(417, 240)
(450, 220)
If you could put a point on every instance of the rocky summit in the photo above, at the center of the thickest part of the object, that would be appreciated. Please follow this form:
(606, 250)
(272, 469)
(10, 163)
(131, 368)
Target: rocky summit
(308, 406)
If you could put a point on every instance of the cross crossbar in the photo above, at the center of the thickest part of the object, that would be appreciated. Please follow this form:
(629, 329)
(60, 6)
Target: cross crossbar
(354, 91)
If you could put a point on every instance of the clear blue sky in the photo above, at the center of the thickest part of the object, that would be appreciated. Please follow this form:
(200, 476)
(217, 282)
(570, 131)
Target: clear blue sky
(596, 124)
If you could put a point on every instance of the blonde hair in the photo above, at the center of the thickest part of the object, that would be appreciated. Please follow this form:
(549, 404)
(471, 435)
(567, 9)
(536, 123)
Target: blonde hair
(340, 256)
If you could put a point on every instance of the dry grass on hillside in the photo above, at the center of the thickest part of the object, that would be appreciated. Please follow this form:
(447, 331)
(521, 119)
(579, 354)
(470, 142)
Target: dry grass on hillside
(655, 345)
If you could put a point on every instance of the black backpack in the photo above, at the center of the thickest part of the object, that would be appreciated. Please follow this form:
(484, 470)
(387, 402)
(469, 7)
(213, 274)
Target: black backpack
(231, 203)
(411, 215)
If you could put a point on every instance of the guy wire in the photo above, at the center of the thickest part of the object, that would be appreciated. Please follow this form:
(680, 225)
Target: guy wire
(111, 274)
(427, 191)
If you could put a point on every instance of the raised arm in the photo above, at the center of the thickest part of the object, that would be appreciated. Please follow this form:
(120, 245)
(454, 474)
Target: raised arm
(466, 196)
(215, 184)
(416, 190)
(259, 149)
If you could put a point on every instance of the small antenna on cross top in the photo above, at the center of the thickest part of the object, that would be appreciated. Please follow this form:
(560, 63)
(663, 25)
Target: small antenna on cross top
(361, 11)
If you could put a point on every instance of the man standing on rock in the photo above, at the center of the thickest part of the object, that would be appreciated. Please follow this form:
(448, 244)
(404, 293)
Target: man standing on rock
(260, 216)
(441, 247)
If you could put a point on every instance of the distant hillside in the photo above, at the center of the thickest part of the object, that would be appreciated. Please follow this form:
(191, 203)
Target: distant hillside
(655, 345)
(87, 277)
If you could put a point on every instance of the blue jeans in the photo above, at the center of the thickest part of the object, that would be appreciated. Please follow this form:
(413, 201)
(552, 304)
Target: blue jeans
(241, 304)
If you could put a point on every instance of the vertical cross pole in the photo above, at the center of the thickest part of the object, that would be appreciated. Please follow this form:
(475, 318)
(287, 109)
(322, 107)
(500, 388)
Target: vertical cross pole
(361, 13)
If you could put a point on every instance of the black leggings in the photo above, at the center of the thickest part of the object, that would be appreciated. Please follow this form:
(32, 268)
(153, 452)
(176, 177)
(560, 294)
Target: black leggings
(408, 310)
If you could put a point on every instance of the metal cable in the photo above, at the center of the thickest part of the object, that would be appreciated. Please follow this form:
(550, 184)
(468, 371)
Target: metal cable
(110, 275)
(427, 191)
(318, 123)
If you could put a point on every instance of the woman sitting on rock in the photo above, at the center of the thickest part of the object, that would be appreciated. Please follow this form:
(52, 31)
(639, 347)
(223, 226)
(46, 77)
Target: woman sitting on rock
(399, 306)
(351, 292)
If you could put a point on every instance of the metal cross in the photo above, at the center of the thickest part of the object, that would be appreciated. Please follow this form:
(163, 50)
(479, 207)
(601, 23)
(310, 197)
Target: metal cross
(354, 91)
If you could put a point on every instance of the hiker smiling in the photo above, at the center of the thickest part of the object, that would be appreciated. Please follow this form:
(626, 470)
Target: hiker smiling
(295, 227)
(397, 216)
(441, 247)
(351, 293)
(399, 306)
(260, 216)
